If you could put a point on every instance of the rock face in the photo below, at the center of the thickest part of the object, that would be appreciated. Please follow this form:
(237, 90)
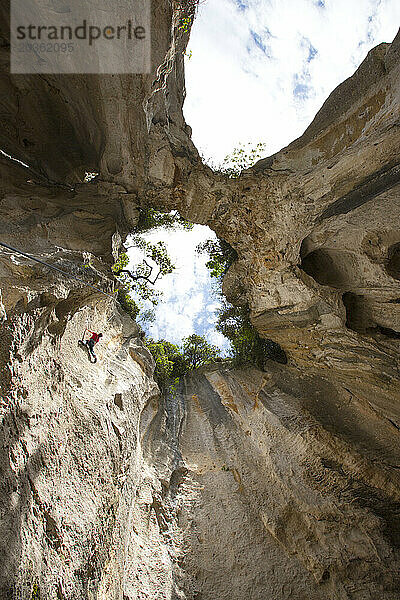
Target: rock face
(240, 484)
(70, 453)
(289, 501)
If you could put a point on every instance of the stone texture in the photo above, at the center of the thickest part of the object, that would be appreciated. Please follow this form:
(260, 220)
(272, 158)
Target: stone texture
(290, 501)
(241, 484)
(70, 456)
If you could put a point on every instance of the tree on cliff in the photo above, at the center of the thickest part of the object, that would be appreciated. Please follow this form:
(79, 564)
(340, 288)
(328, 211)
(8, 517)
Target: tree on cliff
(198, 352)
(247, 346)
(242, 157)
(174, 361)
(142, 277)
(150, 219)
(221, 256)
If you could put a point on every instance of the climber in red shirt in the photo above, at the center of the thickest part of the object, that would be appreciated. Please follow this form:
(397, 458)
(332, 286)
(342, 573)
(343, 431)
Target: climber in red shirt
(92, 341)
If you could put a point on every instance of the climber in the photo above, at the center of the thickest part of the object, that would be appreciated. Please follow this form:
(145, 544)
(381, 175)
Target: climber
(92, 341)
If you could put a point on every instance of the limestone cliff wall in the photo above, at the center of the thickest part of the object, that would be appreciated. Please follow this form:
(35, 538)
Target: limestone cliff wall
(242, 484)
(77, 496)
(289, 500)
(72, 474)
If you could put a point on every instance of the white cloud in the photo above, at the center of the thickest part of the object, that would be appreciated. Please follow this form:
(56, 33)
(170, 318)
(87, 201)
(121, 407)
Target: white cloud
(260, 70)
(249, 57)
(188, 305)
(217, 339)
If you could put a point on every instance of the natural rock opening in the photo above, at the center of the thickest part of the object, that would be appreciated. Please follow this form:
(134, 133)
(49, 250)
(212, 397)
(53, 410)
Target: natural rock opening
(393, 262)
(329, 267)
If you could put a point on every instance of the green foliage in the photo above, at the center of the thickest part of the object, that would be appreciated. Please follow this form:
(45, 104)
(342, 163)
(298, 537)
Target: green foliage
(242, 157)
(174, 361)
(156, 252)
(187, 9)
(128, 303)
(147, 316)
(141, 279)
(198, 352)
(246, 344)
(166, 356)
(120, 263)
(151, 218)
(185, 24)
(221, 256)
(35, 595)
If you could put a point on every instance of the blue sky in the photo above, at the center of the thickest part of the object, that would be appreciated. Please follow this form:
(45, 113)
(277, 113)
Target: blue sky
(259, 71)
(188, 304)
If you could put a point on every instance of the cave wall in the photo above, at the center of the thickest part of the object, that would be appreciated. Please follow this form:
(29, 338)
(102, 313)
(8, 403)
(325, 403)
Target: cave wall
(79, 503)
(70, 456)
(282, 483)
(289, 499)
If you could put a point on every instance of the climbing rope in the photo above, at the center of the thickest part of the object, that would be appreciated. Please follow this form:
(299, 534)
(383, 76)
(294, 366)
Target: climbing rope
(56, 269)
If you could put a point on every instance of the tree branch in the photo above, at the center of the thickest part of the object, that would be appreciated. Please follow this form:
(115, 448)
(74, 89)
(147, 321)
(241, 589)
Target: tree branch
(145, 277)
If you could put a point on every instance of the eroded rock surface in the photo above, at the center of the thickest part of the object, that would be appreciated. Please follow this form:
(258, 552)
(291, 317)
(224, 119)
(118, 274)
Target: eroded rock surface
(289, 499)
(242, 484)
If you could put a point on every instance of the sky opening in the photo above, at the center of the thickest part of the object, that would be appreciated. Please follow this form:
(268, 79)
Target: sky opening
(189, 301)
(257, 71)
